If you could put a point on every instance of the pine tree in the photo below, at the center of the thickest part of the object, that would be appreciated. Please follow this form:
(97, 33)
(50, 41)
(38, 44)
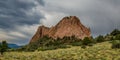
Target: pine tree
(100, 38)
(86, 41)
(3, 47)
(115, 32)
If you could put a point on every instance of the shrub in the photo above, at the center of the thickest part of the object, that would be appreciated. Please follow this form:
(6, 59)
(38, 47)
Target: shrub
(99, 39)
(117, 37)
(115, 32)
(32, 48)
(90, 44)
(63, 46)
(116, 44)
(86, 41)
(83, 46)
(76, 43)
(44, 48)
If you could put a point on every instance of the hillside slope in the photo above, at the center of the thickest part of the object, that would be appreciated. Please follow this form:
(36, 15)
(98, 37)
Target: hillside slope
(100, 51)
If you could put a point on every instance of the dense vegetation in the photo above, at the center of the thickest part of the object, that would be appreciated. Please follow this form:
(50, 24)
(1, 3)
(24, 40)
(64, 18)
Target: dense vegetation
(47, 43)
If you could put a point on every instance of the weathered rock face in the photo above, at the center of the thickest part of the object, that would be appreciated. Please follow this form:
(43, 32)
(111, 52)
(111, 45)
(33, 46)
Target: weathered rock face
(68, 26)
(42, 31)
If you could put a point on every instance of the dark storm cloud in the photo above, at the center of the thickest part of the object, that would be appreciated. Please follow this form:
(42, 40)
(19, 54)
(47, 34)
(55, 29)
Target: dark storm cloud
(19, 20)
(13, 12)
(41, 2)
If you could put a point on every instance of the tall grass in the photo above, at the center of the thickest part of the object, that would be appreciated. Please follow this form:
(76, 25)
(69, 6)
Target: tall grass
(100, 51)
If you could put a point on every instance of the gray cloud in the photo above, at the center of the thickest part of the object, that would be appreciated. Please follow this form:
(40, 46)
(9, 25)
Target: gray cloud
(19, 34)
(16, 12)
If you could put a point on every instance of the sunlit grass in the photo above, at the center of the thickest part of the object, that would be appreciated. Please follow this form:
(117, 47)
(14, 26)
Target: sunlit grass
(100, 51)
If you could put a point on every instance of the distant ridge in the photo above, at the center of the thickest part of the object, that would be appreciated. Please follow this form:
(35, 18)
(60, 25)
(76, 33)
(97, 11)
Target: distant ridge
(13, 45)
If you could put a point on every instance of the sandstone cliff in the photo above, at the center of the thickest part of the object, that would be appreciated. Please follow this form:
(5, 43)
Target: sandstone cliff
(68, 26)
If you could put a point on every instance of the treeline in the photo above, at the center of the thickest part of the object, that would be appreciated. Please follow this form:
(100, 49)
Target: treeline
(48, 43)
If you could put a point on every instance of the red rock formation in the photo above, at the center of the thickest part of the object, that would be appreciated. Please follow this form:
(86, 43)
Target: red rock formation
(68, 26)
(42, 31)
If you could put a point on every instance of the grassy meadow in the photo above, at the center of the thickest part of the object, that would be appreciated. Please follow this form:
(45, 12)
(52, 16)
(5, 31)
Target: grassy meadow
(99, 51)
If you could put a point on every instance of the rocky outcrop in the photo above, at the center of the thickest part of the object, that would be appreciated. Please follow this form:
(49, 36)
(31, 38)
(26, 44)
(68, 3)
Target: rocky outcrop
(42, 31)
(68, 26)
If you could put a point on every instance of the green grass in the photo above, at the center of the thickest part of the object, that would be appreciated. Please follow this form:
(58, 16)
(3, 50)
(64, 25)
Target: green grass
(99, 51)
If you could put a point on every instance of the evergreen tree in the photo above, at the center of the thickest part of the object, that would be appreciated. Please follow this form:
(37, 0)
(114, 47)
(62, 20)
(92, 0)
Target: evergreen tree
(4, 47)
(115, 32)
(116, 44)
(117, 37)
(100, 38)
(0, 48)
(86, 41)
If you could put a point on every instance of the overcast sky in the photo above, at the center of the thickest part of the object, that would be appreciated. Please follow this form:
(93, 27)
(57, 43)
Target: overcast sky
(19, 19)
